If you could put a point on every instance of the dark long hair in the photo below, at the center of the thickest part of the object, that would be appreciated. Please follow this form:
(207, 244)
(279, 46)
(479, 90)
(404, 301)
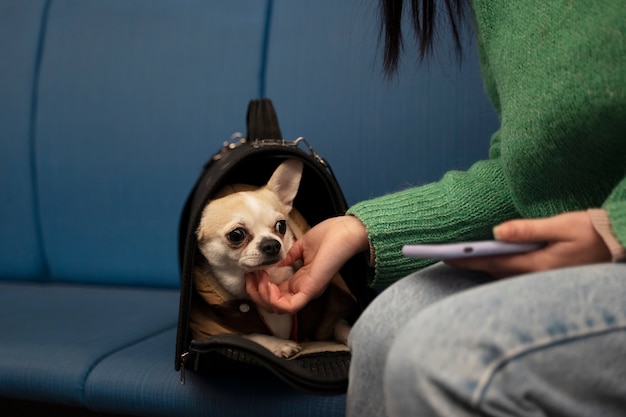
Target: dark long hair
(423, 13)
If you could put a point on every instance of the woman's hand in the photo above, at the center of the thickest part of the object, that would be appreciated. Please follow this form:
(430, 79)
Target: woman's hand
(572, 240)
(323, 250)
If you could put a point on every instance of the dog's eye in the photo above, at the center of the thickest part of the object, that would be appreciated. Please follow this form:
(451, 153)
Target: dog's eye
(281, 227)
(236, 235)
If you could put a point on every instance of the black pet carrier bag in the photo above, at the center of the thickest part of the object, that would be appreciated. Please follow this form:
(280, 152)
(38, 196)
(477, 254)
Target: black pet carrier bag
(322, 366)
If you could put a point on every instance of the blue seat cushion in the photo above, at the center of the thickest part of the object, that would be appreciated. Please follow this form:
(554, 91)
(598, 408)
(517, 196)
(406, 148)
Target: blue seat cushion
(54, 335)
(141, 380)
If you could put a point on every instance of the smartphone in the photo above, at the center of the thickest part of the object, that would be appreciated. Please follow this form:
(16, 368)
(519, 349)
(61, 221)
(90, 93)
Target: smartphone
(468, 249)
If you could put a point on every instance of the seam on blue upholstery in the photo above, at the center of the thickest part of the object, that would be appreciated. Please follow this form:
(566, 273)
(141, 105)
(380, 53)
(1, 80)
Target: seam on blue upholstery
(33, 138)
(130, 344)
(269, 11)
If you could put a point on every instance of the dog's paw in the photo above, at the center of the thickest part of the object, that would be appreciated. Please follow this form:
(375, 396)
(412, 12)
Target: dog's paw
(286, 349)
(279, 347)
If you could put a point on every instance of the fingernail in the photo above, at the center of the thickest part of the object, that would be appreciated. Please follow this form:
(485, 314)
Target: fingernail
(496, 233)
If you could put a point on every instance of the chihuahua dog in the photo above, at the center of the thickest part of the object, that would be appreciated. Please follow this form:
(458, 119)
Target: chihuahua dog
(247, 231)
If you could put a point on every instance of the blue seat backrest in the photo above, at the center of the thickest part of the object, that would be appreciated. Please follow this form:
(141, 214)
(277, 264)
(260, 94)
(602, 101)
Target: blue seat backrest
(20, 253)
(325, 77)
(116, 105)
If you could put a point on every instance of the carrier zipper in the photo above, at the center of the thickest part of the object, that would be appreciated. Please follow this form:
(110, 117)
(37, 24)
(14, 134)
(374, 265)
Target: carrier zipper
(183, 359)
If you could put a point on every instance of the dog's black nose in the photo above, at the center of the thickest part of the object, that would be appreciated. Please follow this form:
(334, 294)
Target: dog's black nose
(269, 247)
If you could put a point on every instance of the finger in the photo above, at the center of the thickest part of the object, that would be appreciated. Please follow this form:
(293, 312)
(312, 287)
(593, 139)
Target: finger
(256, 287)
(264, 294)
(294, 254)
(535, 230)
(278, 299)
(286, 303)
(252, 286)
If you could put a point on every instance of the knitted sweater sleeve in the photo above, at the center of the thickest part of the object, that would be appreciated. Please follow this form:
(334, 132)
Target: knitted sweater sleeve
(461, 206)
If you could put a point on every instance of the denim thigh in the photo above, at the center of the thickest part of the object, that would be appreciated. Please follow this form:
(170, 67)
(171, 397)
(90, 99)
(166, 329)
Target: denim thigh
(372, 335)
(545, 344)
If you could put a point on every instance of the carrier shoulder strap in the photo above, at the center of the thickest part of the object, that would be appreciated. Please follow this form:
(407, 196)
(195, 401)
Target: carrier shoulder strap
(262, 122)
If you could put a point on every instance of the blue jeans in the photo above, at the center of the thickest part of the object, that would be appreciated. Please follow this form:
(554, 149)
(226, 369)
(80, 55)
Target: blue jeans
(448, 342)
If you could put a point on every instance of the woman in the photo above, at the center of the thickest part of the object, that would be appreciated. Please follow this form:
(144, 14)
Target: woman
(458, 339)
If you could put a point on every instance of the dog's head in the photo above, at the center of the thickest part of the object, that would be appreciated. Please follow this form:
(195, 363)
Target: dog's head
(245, 231)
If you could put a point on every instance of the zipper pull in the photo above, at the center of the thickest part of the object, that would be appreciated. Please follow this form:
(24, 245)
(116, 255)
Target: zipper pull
(183, 359)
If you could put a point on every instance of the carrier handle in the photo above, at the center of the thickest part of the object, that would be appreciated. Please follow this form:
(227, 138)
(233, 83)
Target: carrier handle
(261, 120)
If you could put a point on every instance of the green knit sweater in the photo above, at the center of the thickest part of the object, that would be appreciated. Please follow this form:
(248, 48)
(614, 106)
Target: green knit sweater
(555, 72)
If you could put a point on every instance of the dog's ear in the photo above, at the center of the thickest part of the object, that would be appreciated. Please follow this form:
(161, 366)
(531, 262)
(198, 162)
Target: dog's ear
(200, 234)
(286, 180)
